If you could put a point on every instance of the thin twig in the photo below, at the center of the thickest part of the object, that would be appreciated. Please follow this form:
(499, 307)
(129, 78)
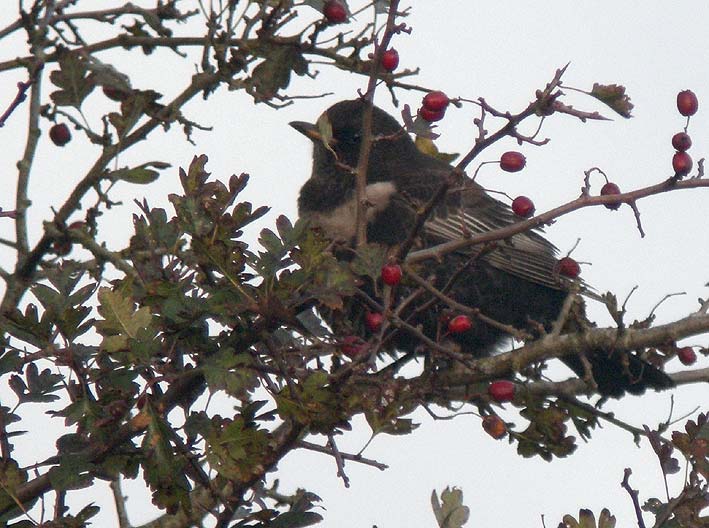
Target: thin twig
(120, 501)
(462, 308)
(22, 88)
(346, 456)
(633, 496)
(367, 118)
(338, 460)
(548, 217)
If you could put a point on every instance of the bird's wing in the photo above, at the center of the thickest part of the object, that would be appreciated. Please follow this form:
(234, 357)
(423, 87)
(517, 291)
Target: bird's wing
(470, 211)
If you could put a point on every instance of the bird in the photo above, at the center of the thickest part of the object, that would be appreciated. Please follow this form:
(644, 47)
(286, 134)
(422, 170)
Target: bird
(514, 282)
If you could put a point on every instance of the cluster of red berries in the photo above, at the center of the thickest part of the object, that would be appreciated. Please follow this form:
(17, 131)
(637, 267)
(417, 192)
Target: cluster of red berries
(391, 276)
(433, 106)
(687, 105)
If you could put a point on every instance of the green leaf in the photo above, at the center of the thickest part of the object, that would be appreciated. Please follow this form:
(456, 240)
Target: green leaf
(72, 473)
(73, 79)
(274, 72)
(230, 372)
(142, 174)
(614, 96)
(295, 520)
(427, 146)
(29, 327)
(38, 387)
(121, 320)
(164, 468)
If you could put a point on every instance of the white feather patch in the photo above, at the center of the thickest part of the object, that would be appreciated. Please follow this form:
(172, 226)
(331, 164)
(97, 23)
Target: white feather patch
(341, 223)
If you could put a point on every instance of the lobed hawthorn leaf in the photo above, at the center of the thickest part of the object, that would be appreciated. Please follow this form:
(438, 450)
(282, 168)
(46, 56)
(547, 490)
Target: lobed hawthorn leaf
(73, 78)
(121, 321)
(27, 327)
(274, 71)
(50, 299)
(230, 372)
(73, 472)
(450, 512)
(545, 435)
(133, 107)
(614, 96)
(196, 176)
(237, 448)
(38, 387)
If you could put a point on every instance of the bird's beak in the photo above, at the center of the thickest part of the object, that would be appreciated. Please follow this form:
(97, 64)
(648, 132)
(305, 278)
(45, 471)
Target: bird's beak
(307, 129)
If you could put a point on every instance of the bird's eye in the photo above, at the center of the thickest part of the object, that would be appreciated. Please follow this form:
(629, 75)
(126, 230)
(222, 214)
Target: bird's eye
(348, 135)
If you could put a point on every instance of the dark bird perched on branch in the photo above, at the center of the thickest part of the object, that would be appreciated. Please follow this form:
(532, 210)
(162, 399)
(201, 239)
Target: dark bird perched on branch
(515, 281)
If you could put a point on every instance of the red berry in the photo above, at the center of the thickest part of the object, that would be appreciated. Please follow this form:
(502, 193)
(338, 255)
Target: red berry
(114, 94)
(687, 355)
(608, 189)
(77, 225)
(459, 324)
(353, 347)
(523, 206)
(335, 12)
(390, 59)
(681, 141)
(687, 103)
(501, 391)
(430, 115)
(568, 267)
(391, 274)
(512, 161)
(494, 426)
(681, 163)
(435, 101)
(60, 134)
(373, 320)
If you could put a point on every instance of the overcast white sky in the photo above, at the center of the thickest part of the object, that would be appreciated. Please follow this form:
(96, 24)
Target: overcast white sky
(502, 51)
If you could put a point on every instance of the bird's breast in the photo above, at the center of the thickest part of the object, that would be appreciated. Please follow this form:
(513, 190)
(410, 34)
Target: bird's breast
(340, 223)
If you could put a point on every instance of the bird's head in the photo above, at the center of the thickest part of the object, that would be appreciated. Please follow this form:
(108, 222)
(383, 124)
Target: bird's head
(337, 140)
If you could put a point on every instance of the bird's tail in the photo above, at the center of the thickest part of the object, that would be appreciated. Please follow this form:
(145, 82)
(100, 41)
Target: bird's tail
(616, 373)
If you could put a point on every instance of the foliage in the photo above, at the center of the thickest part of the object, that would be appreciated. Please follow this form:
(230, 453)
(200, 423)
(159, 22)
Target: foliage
(126, 346)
